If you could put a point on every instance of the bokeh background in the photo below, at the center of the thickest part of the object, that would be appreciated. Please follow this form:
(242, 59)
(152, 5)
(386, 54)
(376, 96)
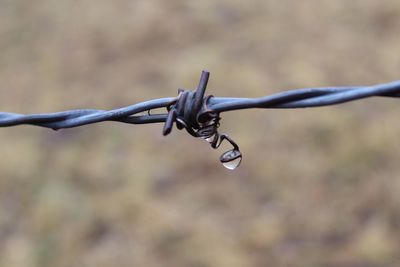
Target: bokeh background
(317, 187)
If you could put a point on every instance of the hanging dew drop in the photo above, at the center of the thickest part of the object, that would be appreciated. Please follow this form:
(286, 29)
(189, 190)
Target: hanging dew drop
(231, 165)
(210, 138)
(231, 159)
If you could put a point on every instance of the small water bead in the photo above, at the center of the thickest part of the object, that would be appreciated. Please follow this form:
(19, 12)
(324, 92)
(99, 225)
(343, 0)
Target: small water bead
(231, 165)
(231, 159)
(210, 139)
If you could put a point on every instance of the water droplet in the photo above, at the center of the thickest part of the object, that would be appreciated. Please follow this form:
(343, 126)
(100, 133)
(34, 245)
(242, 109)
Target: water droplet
(208, 131)
(231, 165)
(210, 138)
(231, 159)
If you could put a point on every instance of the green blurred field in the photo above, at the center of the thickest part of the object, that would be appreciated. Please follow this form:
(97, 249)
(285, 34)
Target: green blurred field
(317, 187)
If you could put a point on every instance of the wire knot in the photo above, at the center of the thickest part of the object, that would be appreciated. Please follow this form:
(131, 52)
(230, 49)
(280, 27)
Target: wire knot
(190, 111)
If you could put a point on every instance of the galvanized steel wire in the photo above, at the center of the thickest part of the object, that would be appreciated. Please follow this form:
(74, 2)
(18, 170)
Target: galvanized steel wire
(200, 114)
(300, 98)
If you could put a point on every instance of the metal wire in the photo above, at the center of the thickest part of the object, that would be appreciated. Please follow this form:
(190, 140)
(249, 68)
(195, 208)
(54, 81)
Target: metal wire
(200, 114)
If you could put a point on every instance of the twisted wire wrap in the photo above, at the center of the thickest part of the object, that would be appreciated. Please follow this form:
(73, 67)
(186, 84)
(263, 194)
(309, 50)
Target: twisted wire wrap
(190, 111)
(74, 118)
(200, 114)
(193, 109)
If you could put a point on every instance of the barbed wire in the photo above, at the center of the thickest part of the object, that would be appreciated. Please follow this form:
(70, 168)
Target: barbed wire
(199, 114)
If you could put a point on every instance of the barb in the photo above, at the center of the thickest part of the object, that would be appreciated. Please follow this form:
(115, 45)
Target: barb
(199, 114)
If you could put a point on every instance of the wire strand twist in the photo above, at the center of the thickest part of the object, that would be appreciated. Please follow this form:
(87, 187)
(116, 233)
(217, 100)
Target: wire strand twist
(199, 114)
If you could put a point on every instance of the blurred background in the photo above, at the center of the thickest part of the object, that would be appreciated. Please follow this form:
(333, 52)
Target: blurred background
(317, 187)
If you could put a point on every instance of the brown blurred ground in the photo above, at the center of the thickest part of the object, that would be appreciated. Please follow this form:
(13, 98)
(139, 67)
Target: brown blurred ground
(317, 187)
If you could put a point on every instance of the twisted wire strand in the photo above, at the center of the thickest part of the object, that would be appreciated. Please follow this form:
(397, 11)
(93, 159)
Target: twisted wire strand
(300, 98)
(308, 97)
(74, 118)
(199, 114)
